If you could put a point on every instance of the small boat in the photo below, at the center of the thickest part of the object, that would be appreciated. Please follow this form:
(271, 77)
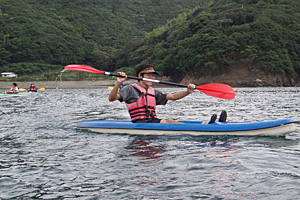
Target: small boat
(278, 127)
(15, 94)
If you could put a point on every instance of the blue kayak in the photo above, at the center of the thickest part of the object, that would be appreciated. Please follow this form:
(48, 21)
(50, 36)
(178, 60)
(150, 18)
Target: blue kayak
(279, 127)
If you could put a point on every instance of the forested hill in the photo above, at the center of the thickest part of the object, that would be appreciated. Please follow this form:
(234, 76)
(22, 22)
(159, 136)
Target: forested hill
(251, 42)
(239, 42)
(39, 34)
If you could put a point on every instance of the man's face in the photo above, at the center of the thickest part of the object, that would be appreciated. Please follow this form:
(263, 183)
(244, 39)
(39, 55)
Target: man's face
(148, 76)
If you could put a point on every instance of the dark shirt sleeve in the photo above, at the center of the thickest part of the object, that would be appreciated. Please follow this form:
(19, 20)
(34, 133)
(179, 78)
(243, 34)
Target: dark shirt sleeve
(161, 97)
(129, 94)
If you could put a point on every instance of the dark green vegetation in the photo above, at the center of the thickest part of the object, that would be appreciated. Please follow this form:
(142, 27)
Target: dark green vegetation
(36, 33)
(212, 38)
(228, 34)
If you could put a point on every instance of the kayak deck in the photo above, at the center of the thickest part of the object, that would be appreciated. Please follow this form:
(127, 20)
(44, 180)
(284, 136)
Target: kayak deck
(279, 127)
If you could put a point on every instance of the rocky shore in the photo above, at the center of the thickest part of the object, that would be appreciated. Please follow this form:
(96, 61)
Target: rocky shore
(245, 76)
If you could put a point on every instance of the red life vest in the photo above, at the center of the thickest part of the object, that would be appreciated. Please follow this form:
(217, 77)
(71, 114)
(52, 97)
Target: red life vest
(32, 89)
(144, 107)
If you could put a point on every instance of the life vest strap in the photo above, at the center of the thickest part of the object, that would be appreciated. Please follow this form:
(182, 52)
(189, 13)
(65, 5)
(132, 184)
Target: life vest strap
(142, 107)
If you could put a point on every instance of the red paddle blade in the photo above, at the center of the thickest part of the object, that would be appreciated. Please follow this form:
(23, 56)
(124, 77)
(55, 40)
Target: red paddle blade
(83, 68)
(218, 90)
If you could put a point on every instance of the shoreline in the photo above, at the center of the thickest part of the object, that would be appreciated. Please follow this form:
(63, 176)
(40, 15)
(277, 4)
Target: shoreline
(63, 84)
(78, 84)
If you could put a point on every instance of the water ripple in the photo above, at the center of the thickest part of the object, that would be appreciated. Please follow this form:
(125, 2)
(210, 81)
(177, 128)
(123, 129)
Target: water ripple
(44, 156)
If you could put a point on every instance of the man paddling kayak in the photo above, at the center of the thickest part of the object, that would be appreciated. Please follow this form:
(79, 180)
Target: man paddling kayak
(141, 99)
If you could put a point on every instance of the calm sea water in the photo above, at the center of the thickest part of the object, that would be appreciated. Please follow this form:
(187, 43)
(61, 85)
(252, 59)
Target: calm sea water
(44, 156)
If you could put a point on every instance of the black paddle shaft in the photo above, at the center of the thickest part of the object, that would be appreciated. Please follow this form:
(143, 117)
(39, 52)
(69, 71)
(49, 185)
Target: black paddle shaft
(147, 79)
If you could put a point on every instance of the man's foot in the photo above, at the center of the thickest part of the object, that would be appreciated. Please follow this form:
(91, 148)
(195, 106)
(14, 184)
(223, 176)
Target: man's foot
(213, 119)
(223, 116)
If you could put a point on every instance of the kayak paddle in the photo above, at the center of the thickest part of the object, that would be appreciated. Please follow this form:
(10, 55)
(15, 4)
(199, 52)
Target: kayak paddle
(218, 90)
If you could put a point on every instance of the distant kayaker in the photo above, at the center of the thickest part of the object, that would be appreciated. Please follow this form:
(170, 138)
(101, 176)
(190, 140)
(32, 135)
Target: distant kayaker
(13, 89)
(32, 88)
(141, 99)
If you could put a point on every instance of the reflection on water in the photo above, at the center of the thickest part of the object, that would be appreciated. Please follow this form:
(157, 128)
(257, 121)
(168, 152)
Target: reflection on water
(143, 148)
(44, 156)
